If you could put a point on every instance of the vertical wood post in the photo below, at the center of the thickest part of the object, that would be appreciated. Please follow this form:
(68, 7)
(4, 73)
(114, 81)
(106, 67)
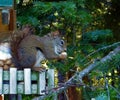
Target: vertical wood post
(13, 80)
(50, 76)
(42, 82)
(27, 80)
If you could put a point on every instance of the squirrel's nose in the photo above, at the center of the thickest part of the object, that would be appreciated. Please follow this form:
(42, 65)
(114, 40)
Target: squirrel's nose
(65, 49)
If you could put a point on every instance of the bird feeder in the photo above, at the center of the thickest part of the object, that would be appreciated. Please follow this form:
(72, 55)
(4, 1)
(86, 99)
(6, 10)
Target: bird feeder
(7, 15)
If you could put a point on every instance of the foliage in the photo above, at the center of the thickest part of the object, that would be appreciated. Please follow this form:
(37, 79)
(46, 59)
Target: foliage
(87, 27)
(98, 36)
(52, 15)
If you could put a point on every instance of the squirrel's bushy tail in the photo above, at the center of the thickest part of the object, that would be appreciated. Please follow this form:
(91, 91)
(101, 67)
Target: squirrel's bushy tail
(16, 39)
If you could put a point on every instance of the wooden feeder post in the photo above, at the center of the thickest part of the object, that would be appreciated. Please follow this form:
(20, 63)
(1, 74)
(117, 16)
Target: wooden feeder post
(7, 17)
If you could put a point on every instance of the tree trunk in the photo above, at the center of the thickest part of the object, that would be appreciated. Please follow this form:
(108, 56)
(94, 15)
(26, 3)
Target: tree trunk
(73, 92)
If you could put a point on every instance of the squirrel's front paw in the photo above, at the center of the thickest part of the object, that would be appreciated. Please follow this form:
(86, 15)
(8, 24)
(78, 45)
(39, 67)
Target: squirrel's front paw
(39, 69)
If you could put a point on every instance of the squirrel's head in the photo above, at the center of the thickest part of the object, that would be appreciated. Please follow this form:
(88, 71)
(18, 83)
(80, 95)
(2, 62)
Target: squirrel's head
(54, 46)
(59, 45)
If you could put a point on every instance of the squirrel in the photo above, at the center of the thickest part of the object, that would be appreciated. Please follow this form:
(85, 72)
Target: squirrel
(28, 50)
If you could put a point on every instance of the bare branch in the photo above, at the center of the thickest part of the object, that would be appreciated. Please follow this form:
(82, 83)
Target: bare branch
(103, 60)
(81, 74)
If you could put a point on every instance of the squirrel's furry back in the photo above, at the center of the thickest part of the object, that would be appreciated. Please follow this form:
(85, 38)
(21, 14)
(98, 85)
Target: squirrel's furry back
(16, 39)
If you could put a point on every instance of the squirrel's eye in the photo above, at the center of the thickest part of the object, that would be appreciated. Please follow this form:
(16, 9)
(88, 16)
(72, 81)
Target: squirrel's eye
(62, 42)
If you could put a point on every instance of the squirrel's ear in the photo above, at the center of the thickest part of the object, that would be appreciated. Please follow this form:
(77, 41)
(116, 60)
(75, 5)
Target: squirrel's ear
(55, 33)
(28, 29)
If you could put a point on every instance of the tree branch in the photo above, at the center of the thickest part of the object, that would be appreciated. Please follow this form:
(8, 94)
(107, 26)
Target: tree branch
(81, 74)
(103, 48)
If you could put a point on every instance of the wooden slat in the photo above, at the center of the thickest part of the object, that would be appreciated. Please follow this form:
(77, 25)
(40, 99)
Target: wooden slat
(34, 89)
(50, 84)
(20, 75)
(34, 76)
(20, 88)
(42, 82)
(6, 75)
(20, 82)
(13, 80)
(6, 88)
(27, 80)
(1, 80)
(50, 76)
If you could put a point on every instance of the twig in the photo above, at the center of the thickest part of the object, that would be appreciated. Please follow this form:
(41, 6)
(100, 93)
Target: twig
(107, 87)
(115, 89)
(106, 47)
